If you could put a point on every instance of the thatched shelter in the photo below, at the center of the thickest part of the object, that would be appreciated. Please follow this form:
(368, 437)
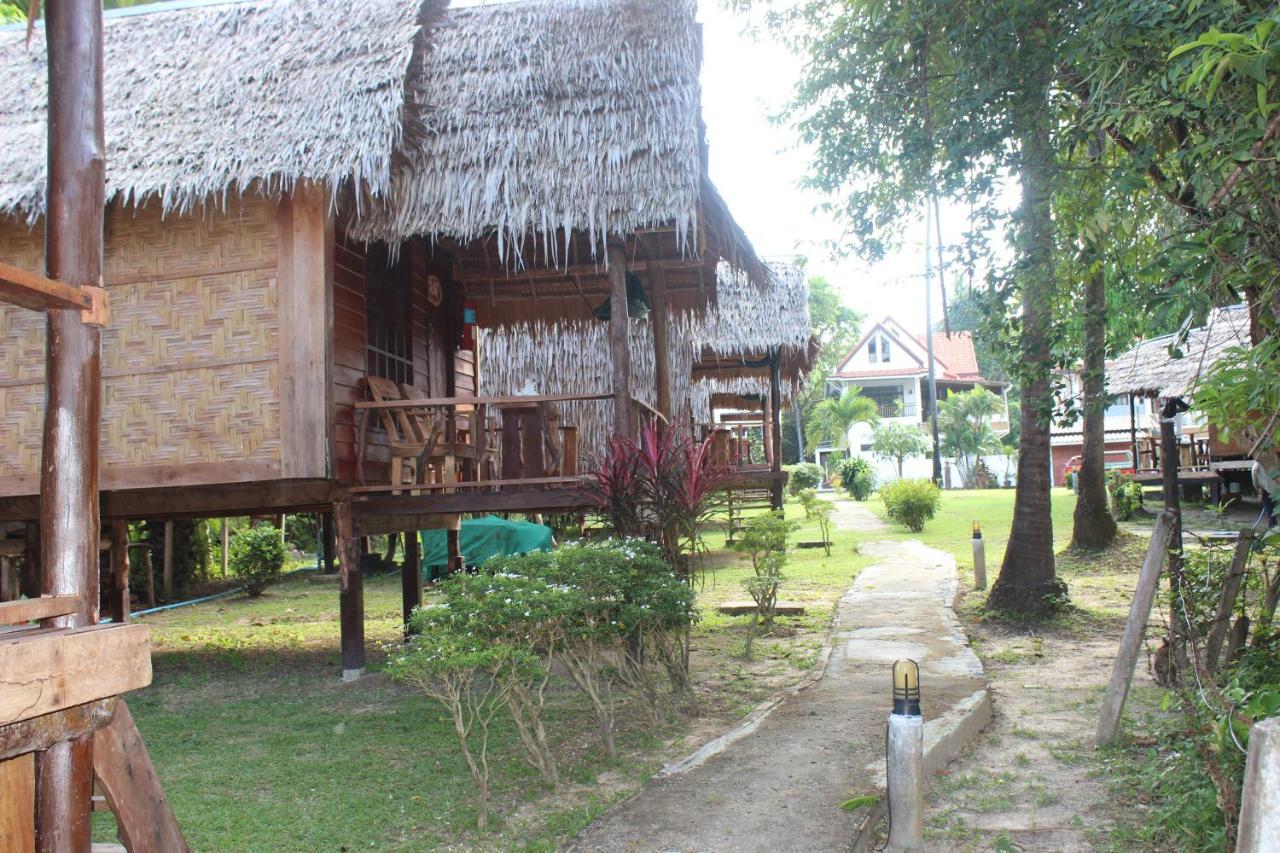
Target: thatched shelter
(1152, 369)
(304, 206)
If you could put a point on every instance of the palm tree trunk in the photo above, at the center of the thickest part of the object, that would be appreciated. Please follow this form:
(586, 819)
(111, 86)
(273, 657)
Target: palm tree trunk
(1027, 581)
(1094, 528)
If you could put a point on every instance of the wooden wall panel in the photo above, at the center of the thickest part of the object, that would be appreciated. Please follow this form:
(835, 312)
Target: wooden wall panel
(347, 350)
(190, 358)
(306, 236)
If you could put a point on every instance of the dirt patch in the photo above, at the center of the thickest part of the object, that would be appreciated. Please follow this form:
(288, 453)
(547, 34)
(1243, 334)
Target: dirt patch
(1033, 781)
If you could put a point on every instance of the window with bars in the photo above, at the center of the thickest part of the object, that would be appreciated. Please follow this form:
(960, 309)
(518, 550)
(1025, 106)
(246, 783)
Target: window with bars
(388, 324)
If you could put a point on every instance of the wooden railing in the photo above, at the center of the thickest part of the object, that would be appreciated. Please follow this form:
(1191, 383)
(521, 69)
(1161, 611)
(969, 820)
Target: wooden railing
(475, 443)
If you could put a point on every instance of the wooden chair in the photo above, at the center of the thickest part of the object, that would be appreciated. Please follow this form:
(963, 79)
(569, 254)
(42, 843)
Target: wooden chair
(411, 437)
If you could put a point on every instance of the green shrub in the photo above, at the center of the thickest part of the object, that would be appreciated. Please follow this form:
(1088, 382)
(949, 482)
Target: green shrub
(1126, 496)
(911, 502)
(806, 475)
(764, 538)
(257, 557)
(857, 477)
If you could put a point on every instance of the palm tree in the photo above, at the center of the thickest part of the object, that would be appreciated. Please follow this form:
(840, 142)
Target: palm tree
(831, 419)
(964, 419)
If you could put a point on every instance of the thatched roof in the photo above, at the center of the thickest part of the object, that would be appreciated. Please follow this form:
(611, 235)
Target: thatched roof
(201, 101)
(1150, 370)
(704, 393)
(526, 122)
(749, 321)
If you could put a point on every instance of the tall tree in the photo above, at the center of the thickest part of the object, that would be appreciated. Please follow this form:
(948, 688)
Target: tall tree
(836, 327)
(904, 98)
(898, 442)
(965, 421)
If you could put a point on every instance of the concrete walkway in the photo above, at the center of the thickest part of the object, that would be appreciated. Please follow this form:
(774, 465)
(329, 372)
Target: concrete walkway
(779, 786)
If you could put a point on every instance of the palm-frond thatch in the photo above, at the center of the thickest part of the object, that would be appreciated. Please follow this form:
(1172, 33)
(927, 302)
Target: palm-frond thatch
(1151, 370)
(207, 101)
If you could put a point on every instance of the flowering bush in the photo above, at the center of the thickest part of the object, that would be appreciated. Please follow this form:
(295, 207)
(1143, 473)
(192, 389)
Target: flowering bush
(606, 613)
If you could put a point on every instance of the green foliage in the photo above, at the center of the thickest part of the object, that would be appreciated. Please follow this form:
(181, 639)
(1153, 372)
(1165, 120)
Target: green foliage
(830, 420)
(820, 510)
(1126, 496)
(897, 442)
(190, 548)
(836, 327)
(911, 502)
(257, 557)
(806, 475)
(1240, 394)
(300, 532)
(607, 613)
(857, 477)
(964, 425)
(764, 538)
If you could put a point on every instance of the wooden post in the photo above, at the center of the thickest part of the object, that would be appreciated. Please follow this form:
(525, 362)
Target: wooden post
(1134, 629)
(453, 544)
(350, 592)
(118, 594)
(1172, 504)
(31, 562)
(1259, 828)
(619, 345)
(766, 431)
(149, 565)
(411, 575)
(1133, 433)
(658, 318)
(326, 534)
(166, 583)
(17, 812)
(1230, 589)
(226, 545)
(775, 417)
(69, 520)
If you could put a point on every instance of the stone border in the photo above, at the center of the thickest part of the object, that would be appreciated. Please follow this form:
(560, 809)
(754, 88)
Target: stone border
(761, 712)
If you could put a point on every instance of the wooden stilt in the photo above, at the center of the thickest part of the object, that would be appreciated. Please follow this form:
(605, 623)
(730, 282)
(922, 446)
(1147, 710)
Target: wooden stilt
(166, 581)
(69, 521)
(148, 565)
(350, 592)
(226, 546)
(411, 575)
(31, 562)
(118, 593)
(453, 543)
(326, 533)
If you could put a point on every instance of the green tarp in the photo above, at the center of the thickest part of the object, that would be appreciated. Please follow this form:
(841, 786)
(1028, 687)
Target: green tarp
(481, 539)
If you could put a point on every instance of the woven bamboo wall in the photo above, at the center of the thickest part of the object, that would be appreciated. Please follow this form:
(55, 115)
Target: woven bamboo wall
(190, 358)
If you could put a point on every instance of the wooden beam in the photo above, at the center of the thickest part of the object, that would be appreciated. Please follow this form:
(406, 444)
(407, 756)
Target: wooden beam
(42, 732)
(71, 667)
(29, 290)
(549, 500)
(1135, 629)
(118, 592)
(33, 609)
(144, 817)
(350, 592)
(619, 344)
(775, 424)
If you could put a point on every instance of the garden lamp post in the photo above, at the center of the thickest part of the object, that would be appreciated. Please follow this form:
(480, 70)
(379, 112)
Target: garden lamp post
(904, 755)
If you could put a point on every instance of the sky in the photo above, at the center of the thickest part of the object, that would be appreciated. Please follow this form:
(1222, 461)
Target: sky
(758, 166)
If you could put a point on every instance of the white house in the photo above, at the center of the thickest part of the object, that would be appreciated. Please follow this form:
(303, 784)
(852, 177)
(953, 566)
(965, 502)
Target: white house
(890, 365)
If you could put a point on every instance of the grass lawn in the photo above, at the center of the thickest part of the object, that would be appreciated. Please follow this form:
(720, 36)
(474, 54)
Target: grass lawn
(261, 748)
(951, 529)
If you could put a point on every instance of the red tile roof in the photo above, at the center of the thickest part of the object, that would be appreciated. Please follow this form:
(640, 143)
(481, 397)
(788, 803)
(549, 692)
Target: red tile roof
(959, 361)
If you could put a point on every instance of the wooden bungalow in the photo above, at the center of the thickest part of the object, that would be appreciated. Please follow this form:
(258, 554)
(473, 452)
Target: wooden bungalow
(305, 234)
(1150, 373)
(753, 353)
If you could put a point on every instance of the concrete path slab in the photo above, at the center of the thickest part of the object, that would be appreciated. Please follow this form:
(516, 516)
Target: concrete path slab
(779, 786)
